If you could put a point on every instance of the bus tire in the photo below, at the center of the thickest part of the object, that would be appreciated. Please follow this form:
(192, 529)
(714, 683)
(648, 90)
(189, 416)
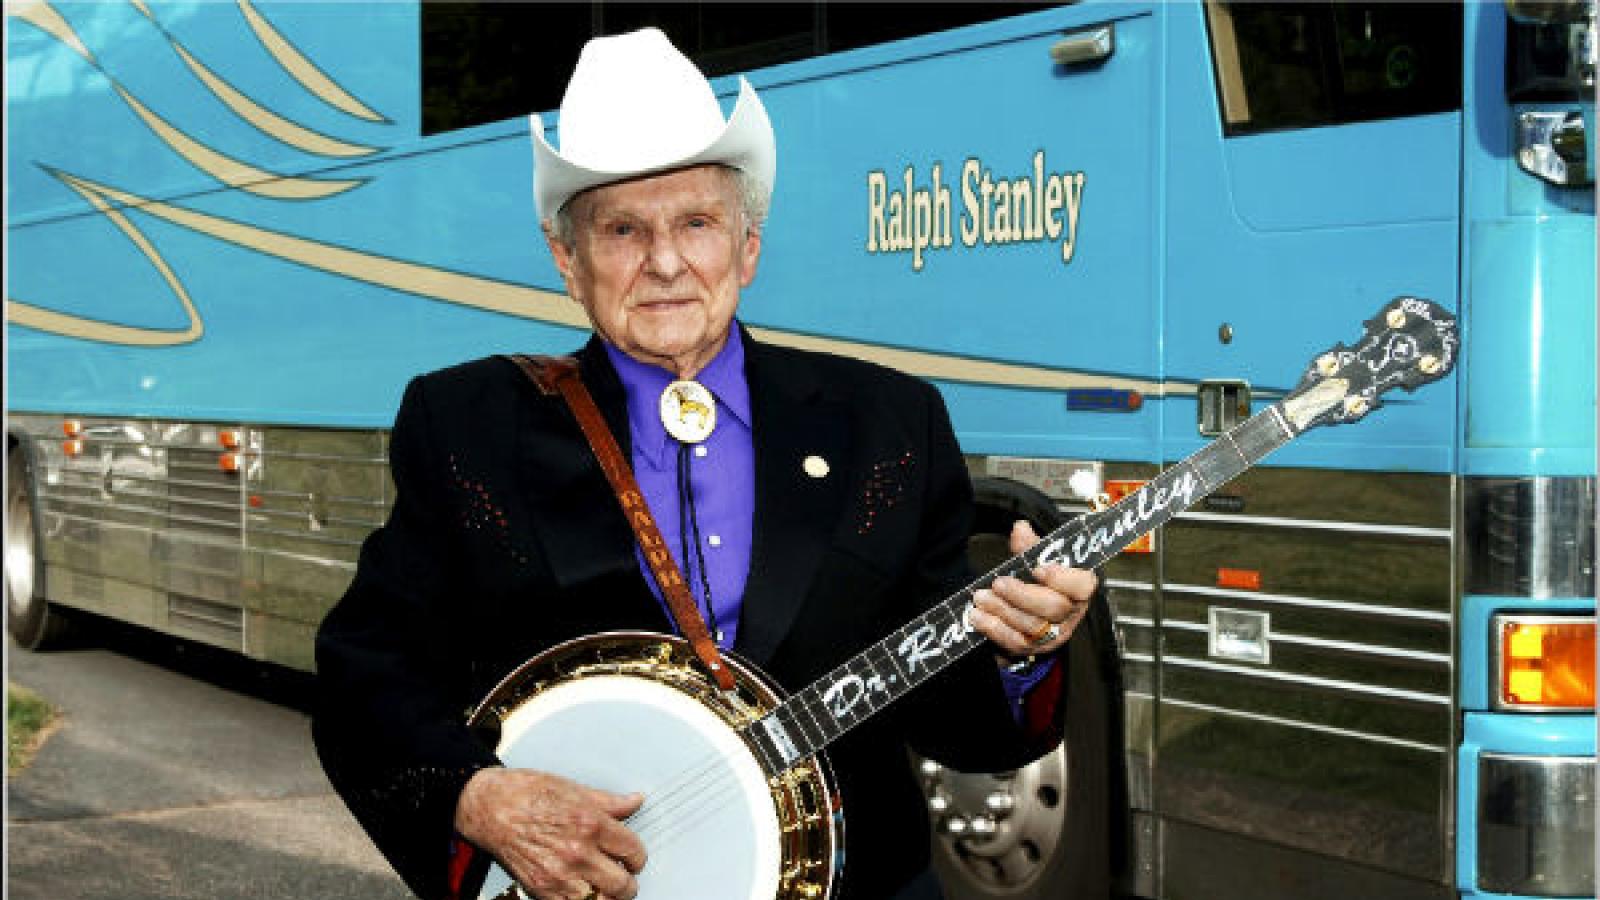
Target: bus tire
(1060, 837)
(32, 621)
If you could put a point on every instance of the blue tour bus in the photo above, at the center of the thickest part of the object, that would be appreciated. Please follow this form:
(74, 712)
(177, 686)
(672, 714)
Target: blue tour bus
(1107, 231)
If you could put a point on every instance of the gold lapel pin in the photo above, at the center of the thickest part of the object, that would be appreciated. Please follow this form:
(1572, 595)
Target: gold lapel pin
(815, 466)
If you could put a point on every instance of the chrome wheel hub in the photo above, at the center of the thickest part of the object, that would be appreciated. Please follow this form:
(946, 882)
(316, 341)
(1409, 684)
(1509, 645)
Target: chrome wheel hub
(997, 831)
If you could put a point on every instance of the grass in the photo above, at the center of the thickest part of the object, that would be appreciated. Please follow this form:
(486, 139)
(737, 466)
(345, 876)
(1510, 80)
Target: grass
(29, 720)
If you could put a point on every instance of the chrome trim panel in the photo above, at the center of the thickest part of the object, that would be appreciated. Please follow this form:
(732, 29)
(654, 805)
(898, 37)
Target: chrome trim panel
(306, 537)
(1362, 609)
(1377, 692)
(1143, 880)
(1365, 528)
(202, 620)
(1204, 863)
(1529, 537)
(1536, 824)
(1123, 584)
(144, 526)
(1332, 754)
(1139, 742)
(1348, 648)
(1309, 726)
(300, 515)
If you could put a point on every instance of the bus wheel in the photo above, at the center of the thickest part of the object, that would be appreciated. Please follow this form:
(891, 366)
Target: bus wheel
(29, 617)
(1043, 831)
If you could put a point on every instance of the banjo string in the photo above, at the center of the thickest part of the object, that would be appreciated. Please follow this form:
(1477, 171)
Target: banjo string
(697, 788)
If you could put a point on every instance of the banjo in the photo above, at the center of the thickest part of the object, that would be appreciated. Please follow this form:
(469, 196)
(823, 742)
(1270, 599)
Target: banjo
(740, 776)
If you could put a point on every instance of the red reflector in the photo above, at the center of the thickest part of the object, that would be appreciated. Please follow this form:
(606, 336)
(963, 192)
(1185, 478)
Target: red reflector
(1239, 579)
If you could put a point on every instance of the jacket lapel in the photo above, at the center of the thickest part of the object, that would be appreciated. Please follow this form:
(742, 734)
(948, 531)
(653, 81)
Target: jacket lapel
(795, 418)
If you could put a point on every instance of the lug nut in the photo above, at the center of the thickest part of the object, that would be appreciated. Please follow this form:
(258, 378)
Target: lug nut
(1000, 802)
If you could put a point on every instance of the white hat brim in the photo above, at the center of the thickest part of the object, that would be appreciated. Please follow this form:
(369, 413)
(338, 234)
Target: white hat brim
(746, 143)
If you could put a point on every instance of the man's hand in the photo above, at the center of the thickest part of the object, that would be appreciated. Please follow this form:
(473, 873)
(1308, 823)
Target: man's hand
(1018, 616)
(558, 839)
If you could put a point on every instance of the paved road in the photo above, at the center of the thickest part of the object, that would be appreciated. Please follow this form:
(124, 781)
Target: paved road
(176, 774)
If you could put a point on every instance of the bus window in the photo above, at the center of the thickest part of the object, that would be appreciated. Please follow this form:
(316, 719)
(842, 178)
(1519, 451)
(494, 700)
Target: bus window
(1296, 65)
(486, 61)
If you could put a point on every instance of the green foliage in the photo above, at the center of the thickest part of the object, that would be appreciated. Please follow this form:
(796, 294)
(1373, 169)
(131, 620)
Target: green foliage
(28, 717)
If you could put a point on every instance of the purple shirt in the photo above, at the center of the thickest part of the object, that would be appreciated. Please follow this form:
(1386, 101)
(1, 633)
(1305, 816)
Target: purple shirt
(722, 475)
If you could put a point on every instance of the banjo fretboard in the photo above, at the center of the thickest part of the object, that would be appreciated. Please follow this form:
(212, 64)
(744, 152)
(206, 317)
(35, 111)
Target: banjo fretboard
(883, 673)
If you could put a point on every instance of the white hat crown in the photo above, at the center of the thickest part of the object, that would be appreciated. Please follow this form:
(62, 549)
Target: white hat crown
(636, 105)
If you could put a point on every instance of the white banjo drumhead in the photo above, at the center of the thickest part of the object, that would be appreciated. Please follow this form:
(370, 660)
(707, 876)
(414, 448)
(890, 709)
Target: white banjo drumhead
(708, 822)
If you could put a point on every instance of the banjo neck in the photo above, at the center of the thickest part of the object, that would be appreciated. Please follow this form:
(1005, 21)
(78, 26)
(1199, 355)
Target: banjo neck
(886, 671)
(1409, 343)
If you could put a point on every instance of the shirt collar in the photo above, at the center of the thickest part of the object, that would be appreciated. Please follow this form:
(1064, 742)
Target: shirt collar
(724, 377)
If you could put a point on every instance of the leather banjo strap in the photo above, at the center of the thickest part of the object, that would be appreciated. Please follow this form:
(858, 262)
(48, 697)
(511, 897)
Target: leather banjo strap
(559, 375)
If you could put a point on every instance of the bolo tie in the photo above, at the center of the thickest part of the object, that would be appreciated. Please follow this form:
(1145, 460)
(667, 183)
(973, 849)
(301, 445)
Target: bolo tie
(689, 413)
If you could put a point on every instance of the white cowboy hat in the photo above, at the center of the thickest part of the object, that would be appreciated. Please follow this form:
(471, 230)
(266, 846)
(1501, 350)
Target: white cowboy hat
(636, 105)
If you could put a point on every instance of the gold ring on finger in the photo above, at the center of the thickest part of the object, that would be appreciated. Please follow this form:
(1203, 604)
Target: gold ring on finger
(1045, 633)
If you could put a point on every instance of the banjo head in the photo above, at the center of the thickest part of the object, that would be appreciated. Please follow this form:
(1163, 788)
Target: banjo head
(632, 712)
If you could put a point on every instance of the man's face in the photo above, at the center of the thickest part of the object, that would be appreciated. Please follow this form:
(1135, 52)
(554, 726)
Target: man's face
(658, 263)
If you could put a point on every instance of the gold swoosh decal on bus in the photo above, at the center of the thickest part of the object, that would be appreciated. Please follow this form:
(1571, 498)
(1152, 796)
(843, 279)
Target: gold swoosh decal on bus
(948, 367)
(110, 332)
(521, 301)
(304, 70)
(44, 17)
(224, 168)
(232, 172)
(527, 302)
(264, 120)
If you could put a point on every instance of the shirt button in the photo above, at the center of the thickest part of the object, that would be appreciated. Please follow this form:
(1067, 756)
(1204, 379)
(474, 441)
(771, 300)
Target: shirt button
(700, 450)
(714, 540)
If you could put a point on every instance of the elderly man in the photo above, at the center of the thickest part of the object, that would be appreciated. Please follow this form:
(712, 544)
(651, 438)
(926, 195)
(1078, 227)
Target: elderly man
(813, 503)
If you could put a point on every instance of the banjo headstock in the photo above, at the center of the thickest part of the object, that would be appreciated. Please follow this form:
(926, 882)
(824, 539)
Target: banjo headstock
(1409, 343)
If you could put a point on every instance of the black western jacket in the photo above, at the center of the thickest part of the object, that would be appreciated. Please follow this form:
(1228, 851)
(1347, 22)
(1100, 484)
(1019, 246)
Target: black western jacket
(505, 540)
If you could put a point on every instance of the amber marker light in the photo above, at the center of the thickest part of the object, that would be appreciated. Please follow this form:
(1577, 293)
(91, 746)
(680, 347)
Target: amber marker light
(229, 462)
(1546, 662)
(1119, 488)
(1239, 579)
(72, 428)
(229, 438)
(72, 448)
